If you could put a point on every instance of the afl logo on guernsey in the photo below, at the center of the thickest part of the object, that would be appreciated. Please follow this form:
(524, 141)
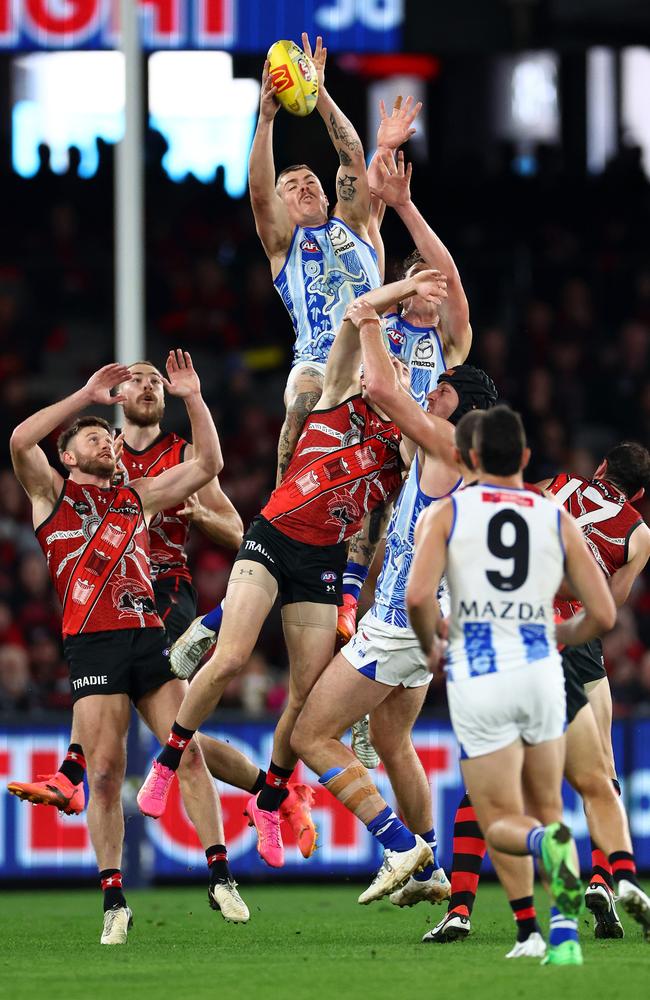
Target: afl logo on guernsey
(328, 576)
(309, 246)
(396, 339)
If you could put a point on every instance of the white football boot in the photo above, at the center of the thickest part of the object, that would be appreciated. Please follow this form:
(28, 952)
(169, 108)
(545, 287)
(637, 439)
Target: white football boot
(433, 890)
(533, 947)
(396, 868)
(223, 896)
(190, 648)
(117, 923)
(453, 927)
(635, 902)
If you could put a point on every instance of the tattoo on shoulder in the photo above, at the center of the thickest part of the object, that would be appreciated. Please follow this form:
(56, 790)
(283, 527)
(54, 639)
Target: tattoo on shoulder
(346, 187)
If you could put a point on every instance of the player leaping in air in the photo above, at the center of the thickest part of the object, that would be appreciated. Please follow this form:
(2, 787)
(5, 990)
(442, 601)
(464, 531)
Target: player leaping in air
(319, 263)
(345, 464)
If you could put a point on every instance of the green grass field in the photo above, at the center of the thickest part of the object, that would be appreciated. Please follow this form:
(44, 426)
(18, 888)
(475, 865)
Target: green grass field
(302, 942)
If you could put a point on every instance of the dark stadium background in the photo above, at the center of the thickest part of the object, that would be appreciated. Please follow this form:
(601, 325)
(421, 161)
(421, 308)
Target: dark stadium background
(555, 262)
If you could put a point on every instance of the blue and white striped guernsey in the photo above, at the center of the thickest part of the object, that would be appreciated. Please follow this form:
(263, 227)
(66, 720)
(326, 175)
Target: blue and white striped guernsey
(390, 595)
(326, 268)
(420, 348)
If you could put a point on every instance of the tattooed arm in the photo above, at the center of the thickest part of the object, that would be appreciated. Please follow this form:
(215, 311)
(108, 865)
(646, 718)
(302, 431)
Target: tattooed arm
(303, 392)
(352, 191)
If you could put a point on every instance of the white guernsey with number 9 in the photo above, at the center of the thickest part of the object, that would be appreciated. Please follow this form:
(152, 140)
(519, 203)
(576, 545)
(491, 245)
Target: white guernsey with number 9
(502, 590)
(504, 565)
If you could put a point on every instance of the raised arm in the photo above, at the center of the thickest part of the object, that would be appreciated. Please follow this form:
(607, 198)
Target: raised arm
(430, 556)
(391, 182)
(175, 485)
(385, 391)
(271, 219)
(352, 191)
(342, 370)
(211, 511)
(40, 481)
(589, 586)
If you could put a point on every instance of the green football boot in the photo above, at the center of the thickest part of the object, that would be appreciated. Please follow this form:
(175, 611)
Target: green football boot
(558, 859)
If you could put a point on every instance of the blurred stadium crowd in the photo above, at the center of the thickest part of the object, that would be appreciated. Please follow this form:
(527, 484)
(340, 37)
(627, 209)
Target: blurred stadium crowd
(557, 272)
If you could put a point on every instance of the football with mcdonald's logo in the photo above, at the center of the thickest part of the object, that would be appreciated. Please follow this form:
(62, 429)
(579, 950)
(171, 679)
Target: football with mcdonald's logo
(294, 76)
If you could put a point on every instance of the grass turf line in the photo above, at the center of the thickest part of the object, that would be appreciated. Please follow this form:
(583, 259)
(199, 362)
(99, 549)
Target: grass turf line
(303, 942)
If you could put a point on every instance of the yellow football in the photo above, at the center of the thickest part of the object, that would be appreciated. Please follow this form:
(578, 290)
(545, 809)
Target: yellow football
(294, 76)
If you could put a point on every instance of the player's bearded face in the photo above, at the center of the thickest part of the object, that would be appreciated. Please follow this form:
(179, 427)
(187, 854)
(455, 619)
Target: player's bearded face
(95, 455)
(96, 465)
(144, 405)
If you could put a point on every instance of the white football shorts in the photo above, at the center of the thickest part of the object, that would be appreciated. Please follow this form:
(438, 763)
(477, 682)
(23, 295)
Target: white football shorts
(490, 712)
(387, 653)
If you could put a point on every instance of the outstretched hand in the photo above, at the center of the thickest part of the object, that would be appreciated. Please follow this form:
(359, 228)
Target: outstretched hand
(390, 181)
(431, 285)
(269, 104)
(100, 384)
(183, 380)
(393, 131)
(318, 56)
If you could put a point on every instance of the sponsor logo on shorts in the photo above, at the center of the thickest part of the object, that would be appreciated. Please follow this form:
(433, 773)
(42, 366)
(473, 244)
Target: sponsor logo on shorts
(328, 576)
(252, 546)
(93, 680)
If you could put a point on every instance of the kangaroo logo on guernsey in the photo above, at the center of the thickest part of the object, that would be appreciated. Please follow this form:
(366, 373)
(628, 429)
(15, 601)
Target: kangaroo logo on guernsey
(330, 285)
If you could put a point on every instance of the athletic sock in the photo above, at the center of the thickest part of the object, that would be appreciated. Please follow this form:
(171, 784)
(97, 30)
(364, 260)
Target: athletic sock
(525, 916)
(354, 578)
(430, 838)
(259, 782)
(601, 872)
(562, 928)
(213, 618)
(469, 851)
(110, 880)
(177, 742)
(623, 867)
(534, 839)
(217, 858)
(391, 832)
(274, 790)
(74, 764)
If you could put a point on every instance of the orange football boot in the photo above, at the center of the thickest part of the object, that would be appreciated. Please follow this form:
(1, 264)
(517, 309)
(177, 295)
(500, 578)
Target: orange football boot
(296, 811)
(52, 790)
(346, 624)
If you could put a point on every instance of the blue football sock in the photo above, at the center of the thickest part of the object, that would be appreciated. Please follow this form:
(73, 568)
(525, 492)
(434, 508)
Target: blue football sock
(391, 832)
(432, 841)
(213, 618)
(353, 579)
(562, 928)
(534, 841)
